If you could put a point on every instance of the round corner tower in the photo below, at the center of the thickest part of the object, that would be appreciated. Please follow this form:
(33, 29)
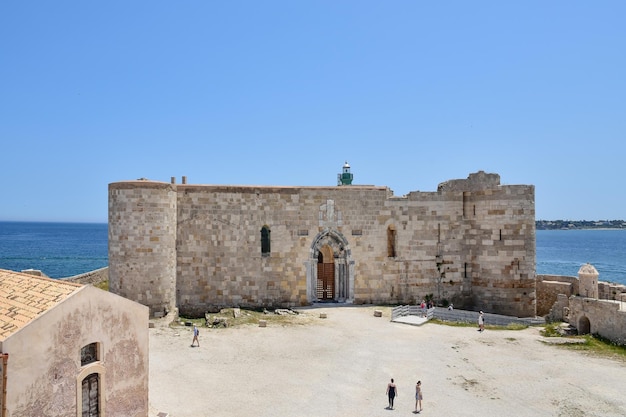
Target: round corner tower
(588, 281)
(142, 243)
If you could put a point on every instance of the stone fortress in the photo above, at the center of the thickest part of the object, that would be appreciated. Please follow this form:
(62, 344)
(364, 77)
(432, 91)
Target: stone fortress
(197, 248)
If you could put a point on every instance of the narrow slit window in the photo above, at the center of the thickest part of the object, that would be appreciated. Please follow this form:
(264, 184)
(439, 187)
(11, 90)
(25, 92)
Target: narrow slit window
(391, 242)
(265, 240)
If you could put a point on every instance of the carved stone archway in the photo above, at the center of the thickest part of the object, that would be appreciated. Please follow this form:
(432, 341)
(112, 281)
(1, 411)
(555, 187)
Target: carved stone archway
(326, 242)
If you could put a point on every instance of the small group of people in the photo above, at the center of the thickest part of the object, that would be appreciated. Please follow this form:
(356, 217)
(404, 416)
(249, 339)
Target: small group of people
(392, 393)
(425, 305)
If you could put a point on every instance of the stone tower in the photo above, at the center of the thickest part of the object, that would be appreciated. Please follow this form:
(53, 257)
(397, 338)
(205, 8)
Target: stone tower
(588, 281)
(142, 243)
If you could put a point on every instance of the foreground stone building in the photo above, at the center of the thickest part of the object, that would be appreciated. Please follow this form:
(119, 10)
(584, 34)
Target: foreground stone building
(201, 247)
(70, 350)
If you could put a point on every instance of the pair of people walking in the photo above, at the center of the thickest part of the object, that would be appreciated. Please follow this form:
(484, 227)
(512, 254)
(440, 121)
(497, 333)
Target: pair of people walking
(392, 393)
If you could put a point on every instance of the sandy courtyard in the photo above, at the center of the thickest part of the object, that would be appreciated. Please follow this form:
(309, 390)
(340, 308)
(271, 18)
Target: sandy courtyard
(340, 366)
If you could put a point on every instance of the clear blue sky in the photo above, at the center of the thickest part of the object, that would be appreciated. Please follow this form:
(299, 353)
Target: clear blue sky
(410, 93)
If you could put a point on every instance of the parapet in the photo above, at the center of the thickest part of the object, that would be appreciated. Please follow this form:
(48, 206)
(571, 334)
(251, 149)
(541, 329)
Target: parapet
(474, 182)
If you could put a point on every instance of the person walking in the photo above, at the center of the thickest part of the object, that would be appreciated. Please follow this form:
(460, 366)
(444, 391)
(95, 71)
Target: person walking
(481, 321)
(392, 392)
(196, 332)
(418, 396)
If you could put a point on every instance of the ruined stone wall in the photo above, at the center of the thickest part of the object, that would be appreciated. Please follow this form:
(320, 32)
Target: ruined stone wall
(547, 294)
(611, 291)
(474, 248)
(549, 287)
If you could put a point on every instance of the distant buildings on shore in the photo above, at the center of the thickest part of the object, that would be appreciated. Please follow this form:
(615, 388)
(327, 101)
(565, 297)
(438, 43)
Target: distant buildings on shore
(579, 224)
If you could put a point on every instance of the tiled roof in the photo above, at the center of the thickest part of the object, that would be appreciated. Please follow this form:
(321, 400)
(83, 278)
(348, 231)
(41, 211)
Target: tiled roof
(23, 297)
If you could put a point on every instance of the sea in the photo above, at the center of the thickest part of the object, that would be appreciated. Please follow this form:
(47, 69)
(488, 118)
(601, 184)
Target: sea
(58, 250)
(66, 249)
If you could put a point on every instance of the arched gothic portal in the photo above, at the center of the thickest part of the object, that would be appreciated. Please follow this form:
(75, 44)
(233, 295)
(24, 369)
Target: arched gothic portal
(331, 271)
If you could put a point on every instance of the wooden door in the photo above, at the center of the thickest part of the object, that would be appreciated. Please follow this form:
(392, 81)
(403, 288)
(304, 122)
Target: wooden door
(91, 388)
(325, 281)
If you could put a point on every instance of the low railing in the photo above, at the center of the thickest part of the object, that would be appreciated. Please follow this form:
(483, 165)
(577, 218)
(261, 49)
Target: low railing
(461, 316)
(409, 310)
(493, 319)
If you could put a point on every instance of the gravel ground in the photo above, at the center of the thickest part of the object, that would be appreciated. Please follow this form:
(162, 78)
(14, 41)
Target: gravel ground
(340, 366)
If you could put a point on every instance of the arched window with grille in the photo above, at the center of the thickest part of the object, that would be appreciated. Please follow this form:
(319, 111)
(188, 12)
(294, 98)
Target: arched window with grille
(265, 240)
(90, 381)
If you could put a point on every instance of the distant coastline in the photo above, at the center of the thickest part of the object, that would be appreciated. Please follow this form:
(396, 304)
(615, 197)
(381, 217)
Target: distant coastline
(579, 224)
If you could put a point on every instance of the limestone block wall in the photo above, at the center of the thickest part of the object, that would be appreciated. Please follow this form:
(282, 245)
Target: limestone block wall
(573, 281)
(500, 245)
(603, 317)
(548, 292)
(470, 243)
(142, 243)
(611, 291)
(559, 310)
(219, 246)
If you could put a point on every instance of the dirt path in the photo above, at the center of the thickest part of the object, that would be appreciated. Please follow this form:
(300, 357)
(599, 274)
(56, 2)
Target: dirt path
(340, 366)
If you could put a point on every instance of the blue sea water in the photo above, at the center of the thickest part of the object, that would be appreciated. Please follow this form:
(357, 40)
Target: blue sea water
(563, 252)
(67, 249)
(57, 249)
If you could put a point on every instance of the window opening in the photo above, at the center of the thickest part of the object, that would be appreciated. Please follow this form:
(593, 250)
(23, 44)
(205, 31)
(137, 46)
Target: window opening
(265, 240)
(91, 403)
(89, 354)
(391, 242)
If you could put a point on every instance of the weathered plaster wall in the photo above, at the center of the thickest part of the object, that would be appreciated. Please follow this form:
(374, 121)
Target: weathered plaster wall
(44, 359)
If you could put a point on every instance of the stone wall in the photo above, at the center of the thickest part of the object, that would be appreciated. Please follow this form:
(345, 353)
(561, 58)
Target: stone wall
(142, 243)
(603, 317)
(548, 288)
(93, 277)
(611, 291)
(559, 310)
(472, 243)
